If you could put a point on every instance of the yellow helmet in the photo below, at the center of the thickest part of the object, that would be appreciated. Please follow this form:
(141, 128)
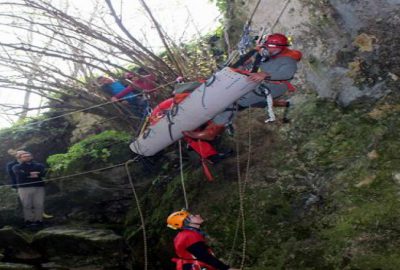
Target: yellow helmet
(177, 219)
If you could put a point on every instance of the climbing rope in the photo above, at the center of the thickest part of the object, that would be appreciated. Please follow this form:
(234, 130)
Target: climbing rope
(254, 11)
(68, 176)
(182, 176)
(139, 211)
(241, 221)
(280, 15)
(244, 41)
(89, 108)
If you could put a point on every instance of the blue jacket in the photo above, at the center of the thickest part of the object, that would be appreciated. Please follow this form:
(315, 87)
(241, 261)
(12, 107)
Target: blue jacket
(115, 88)
(22, 172)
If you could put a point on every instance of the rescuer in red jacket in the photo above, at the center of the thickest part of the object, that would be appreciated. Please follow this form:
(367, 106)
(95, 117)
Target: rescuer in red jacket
(190, 244)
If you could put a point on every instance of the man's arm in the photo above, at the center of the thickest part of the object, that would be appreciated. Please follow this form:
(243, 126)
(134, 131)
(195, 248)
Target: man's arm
(280, 69)
(41, 169)
(12, 174)
(124, 92)
(200, 251)
(19, 173)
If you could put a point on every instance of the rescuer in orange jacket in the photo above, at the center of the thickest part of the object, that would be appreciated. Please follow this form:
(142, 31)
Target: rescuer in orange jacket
(190, 244)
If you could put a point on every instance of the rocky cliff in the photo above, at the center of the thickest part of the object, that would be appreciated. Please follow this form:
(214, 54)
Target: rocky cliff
(320, 192)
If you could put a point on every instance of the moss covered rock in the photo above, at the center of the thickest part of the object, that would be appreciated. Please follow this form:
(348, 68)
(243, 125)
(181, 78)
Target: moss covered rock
(15, 266)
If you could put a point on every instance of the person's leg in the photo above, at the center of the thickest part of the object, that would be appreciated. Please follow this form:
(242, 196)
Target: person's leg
(208, 134)
(253, 99)
(38, 203)
(25, 195)
(214, 127)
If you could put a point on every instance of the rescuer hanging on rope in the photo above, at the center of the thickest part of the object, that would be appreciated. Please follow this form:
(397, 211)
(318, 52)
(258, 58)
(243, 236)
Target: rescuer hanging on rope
(278, 65)
(190, 244)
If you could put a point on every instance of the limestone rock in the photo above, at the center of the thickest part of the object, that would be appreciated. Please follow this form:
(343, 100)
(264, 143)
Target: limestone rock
(15, 266)
(16, 245)
(366, 181)
(59, 241)
(393, 76)
(9, 206)
(373, 155)
(365, 42)
(396, 178)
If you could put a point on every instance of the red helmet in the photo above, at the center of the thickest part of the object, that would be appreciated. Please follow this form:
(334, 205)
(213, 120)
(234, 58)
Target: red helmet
(276, 40)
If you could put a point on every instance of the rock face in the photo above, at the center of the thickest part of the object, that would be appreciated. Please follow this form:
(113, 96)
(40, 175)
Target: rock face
(15, 266)
(17, 245)
(62, 248)
(72, 247)
(10, 212)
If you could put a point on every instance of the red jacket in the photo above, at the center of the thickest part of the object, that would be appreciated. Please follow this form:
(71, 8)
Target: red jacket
(147, 84)
(182, 241)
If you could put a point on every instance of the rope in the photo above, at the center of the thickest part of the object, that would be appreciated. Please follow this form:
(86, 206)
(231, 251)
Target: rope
(139, 210)
(242, 188)
(254, 12)
(68, 176)
(235, 53)
(182, 176)
(280, 15)
(89, 108)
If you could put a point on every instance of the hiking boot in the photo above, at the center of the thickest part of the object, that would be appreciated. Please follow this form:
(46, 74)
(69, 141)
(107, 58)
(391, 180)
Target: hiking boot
(47, 216)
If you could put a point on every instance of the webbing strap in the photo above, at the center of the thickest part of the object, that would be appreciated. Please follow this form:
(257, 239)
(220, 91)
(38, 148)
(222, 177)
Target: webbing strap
(269, 109)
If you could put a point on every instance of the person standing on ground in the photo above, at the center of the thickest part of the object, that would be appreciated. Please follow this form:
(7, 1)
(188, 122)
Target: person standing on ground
(30, 188)
(11, 164)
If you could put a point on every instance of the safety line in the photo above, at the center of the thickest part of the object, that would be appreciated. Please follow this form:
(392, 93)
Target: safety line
(89, 108)
(254, 12)
(139, 211)
(280, 15)
(182, 176)
(242, 189)
(67, 176)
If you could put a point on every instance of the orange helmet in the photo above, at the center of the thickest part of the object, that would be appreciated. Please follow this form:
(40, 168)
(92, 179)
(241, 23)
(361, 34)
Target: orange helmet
(177, 219)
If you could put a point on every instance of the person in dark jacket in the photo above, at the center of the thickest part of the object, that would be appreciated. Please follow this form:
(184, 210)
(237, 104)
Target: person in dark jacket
(30, 188)
(11, 164)
(190, 244)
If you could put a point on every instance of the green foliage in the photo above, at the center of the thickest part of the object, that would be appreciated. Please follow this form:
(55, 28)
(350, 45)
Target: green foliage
(104, 148)
(222, 5)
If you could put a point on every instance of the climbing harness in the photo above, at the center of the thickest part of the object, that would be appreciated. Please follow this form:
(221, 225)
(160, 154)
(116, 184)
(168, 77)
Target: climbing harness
(269, 100)
(269, 108)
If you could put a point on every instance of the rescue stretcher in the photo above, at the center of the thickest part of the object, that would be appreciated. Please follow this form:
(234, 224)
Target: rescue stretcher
(212, 97)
